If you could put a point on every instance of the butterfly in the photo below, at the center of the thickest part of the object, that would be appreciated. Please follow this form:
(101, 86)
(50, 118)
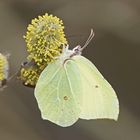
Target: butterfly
(72, 87)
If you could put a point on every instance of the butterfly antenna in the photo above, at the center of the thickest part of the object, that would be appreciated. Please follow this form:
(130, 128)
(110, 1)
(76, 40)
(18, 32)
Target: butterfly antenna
(88, 40)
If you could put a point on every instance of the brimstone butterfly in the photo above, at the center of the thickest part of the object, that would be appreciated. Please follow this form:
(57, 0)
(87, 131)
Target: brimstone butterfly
(71, 88)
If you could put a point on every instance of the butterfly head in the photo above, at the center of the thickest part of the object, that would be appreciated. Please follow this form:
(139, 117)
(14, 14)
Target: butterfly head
(68, 54)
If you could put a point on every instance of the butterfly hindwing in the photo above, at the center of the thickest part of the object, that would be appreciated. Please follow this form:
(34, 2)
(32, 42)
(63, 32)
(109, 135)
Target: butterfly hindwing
(99, 100)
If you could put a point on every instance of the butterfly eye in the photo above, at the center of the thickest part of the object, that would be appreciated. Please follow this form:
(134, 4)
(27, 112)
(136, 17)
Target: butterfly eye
(77, 48)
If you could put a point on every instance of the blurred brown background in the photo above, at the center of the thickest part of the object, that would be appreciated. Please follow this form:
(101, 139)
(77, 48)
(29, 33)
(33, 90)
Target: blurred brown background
(115, 50)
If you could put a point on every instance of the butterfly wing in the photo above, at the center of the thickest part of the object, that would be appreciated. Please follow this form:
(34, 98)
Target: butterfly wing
(99, 99)
(57, 93)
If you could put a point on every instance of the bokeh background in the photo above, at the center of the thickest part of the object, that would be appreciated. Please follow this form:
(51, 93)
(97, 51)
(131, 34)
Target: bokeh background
(115, 50)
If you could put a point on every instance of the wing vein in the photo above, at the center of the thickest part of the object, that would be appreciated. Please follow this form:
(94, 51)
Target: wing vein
(53, 76)
(70, 85)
